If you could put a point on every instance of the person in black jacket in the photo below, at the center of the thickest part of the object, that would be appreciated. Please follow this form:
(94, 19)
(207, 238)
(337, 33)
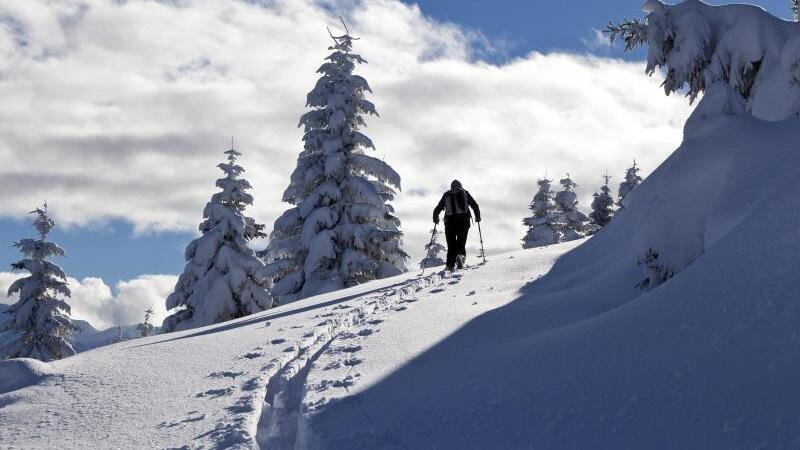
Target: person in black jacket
(456, 203)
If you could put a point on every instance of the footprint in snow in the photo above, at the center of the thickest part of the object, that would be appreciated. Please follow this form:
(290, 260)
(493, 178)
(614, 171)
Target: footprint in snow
(375, 322)
(350, 348)
(401, 308)
(225, 374)
(252, 384)
(353, 362)
(346, 382)
(288, 349)
(277, 341)
(332, 366)
(470, 293)
(252, 355)
(343, 383)
(365, 332)
(216, 393)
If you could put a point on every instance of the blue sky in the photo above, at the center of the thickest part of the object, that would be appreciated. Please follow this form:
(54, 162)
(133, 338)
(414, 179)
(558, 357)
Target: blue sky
(112, 250)
(542, 25)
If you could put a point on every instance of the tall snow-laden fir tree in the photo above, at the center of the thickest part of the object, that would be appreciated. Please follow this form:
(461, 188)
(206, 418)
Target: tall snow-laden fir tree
(546, 224)
(342, 230)
(602, 205)
(575, 223)
(796, 10)
(745, 60)
(433, 252)
(146, 328)
(38, 326)
(632, 179)
(223, 278)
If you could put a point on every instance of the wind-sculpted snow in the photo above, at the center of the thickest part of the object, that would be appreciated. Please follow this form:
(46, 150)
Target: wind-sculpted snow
(22, 372)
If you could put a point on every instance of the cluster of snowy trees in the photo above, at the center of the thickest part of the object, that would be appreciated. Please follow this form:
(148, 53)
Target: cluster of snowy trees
(342, 231)
(555, 216)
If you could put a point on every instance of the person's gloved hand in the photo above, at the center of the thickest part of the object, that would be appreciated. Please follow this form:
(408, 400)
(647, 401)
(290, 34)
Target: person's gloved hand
(436, 220)
(477, 219)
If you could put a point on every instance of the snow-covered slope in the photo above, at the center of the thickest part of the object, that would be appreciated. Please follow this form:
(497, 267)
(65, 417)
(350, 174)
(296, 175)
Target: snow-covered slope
(586, 359)
(206, 387)
(703, 355)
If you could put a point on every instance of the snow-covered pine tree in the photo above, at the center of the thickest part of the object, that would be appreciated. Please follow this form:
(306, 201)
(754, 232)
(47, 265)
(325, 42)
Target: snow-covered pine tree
(223, 278)
(602, 205)
(545, 225)
(632, 179)
(433, 252)
(575, 223)
(146, 328)
(796, 10)
(342, 230)
(39, 325)
(745, 60)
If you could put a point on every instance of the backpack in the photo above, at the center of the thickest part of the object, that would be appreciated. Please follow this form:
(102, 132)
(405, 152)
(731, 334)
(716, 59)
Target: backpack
(456, 204)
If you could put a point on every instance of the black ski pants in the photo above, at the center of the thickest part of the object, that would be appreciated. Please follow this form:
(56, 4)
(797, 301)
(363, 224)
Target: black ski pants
(456, 230)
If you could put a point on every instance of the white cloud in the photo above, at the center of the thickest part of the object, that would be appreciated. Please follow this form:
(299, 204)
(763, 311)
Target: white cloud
(122, 109)
(596, 41)
(92, 300)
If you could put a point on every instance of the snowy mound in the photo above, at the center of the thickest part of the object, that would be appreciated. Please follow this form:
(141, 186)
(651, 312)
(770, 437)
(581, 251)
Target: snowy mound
(674, 327)
(22, 372)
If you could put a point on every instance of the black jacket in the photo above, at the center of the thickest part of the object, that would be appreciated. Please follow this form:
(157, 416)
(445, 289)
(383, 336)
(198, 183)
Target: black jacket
(454, 203)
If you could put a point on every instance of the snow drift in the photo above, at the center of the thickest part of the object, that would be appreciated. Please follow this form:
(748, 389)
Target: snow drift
(676, 326)
(22, 372)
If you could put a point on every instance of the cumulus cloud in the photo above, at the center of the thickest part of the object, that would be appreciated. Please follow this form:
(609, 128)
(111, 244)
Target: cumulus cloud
(115, 109)
(93, 300)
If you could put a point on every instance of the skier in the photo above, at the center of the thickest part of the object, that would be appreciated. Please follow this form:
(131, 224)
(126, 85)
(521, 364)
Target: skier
(456, 203)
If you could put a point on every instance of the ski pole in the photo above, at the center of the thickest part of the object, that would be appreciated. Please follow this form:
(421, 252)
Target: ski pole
(480, 234)
(433, 235)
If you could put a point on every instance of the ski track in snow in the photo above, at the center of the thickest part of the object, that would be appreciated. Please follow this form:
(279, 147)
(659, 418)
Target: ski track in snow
(332, 346)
